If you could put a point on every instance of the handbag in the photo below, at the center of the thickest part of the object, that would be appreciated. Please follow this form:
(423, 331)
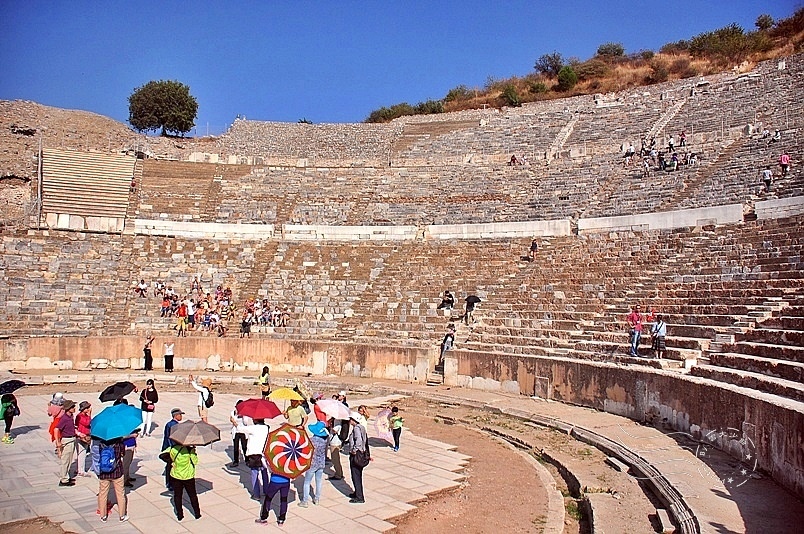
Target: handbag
(254, 461)
(165, 457)
(362, 458)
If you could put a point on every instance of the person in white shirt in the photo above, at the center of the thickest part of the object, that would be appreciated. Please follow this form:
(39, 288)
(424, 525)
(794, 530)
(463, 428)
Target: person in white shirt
(658, 333)
(203, 394)
(169, 357)
(257, 437)
(239, 439)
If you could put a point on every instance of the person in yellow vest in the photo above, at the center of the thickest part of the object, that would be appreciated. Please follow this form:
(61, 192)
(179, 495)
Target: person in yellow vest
(264, 382)
(182, 476)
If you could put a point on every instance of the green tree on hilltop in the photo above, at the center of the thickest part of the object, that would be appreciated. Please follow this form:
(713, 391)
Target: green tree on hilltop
(164, 104)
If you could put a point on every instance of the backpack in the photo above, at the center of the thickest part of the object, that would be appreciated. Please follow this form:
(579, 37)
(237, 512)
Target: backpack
(345, 427)
(210, 400)
(107, 460)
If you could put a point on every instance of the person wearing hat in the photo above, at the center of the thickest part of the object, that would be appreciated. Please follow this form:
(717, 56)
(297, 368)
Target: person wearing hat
(83, 439)
(295, 414)
(319, 414)
(64, 433)
(148, 399)
(176, 415)
(358, 441)
(318, 435)
(203, 393)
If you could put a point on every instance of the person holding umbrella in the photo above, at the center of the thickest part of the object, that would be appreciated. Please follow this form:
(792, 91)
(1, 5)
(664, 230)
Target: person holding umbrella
(335, 445)
(112, 478)
(64, 432)
(183, 460)
(295, 414)
(239, 439)
(148, 399)
(8, 410)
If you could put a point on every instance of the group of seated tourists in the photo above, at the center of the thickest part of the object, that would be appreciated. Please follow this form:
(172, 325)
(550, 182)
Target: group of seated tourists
(211, 311)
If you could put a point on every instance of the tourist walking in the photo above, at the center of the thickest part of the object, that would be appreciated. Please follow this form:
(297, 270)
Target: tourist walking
(318, 436)
(64, 432)
(183, 461)
(358, 457)
(148, 399)
(9, 409)
(395, 421)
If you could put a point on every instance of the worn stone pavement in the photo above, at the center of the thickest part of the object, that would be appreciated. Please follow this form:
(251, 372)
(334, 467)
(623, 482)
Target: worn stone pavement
(29, 480)
(749, 502)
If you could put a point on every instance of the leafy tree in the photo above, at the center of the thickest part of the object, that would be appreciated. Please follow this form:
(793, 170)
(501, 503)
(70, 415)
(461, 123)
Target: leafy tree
(567, 78)
(611, 50)
(549, 64)
(764, 22)
(164, 104)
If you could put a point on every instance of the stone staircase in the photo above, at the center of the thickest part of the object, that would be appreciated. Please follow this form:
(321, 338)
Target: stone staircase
(665, 119)
(562, 136)
(86, 183)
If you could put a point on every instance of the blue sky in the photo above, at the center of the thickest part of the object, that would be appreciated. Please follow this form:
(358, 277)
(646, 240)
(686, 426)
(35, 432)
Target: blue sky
(324, 61)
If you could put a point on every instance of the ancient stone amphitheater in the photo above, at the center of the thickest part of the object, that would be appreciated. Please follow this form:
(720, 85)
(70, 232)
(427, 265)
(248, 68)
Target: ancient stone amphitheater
(359, 228)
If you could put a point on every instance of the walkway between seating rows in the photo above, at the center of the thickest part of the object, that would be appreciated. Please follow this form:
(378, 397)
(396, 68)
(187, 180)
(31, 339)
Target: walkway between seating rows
(29, 469)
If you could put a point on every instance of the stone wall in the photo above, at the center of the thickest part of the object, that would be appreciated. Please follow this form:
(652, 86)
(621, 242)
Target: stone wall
(702, 408)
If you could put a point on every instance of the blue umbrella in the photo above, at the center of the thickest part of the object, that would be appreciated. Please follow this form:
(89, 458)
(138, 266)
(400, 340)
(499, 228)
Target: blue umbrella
(115, 422)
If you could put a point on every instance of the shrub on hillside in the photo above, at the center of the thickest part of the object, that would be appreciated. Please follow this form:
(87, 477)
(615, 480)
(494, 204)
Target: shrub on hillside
(727, 44)
(510, 96)
(679, 47)
(429, 107)
(594, 68)
(458, 93)
(610, 50)
(790, 26)
(537, 87)
(658, 71)
(567, 78)
(682, 67)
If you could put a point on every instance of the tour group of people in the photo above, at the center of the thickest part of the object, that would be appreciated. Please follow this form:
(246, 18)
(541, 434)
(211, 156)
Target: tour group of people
(82, 454)
(197, 310)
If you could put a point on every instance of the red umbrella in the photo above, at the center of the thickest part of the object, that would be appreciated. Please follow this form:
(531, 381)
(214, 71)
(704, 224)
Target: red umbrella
(289, 451)
(258, 409)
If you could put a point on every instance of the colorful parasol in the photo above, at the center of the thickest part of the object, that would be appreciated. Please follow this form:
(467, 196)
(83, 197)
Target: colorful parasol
(116, 391)
(334, 408)
(284, 394)
(115, 422)
(289, 451)
(258, 409)
(383, 426)
(194, 433)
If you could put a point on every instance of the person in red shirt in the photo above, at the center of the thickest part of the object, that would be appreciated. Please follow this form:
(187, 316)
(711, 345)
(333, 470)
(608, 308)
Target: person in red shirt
(634, 320)
(784, 163)
(182, 321)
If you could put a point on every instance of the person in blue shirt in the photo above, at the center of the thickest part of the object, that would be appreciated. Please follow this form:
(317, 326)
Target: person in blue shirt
(280, 484)
(176, 413)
